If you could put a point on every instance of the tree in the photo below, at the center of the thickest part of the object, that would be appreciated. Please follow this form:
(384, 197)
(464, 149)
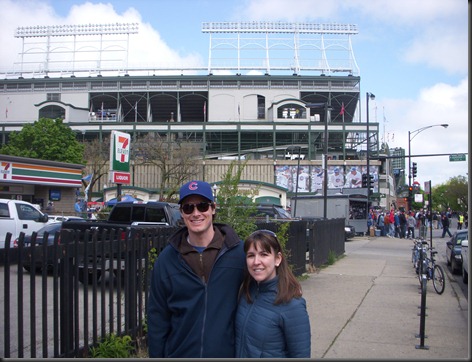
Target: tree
(454, 194)
(97, 156)
(174, 158)
(46, 139)
(235, 206)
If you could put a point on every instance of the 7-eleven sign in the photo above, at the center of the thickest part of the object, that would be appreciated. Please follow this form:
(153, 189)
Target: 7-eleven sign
(119, 151)
(5, 170)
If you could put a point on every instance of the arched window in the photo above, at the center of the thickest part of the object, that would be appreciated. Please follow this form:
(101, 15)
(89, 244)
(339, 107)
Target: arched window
(52, 112)
(291, 110)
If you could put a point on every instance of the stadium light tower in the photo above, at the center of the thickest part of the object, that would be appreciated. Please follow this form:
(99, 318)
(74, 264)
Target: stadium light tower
(411, 135)
(55, 54)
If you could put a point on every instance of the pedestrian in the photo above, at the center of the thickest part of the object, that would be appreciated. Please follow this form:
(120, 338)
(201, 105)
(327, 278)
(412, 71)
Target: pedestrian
(195, 283)
(381, 223)
(392, 223)
(387, 224)
(402, 219)
(445, 225)
(272, 320)
(50, 207)
(411, 222)
(397, 224)
(78, 208)
(460, 221)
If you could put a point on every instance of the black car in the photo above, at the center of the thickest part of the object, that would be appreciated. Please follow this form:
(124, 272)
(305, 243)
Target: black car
(272, 211)
(50, 229)
(453, 250)
(349, 231)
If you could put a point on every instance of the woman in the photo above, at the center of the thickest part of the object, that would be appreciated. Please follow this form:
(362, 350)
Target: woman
(272, 320)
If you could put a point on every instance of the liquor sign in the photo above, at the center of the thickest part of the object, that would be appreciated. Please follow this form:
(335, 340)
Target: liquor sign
(120, 157)
(120, 177)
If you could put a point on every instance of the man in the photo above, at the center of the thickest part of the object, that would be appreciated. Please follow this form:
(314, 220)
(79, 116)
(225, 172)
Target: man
(316, 179)
(354, 178)
(445, 226)
(337, 179)
(195, 283)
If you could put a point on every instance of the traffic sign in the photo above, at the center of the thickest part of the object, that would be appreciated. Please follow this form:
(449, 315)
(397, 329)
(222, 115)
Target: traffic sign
(457, 157)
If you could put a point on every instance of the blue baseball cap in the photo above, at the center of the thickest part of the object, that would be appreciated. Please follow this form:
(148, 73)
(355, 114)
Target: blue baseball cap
(196, 188)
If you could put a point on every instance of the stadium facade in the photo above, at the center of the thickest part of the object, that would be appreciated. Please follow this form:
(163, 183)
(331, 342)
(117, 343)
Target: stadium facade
(296, 117)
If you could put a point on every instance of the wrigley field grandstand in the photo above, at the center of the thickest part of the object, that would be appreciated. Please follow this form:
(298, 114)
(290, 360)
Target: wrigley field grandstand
(284, 95)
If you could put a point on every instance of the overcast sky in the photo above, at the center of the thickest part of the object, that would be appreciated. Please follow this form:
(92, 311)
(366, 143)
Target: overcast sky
(413, 55)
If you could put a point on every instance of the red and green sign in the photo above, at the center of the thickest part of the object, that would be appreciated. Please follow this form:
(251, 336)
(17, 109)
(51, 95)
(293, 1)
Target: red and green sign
(120, 157)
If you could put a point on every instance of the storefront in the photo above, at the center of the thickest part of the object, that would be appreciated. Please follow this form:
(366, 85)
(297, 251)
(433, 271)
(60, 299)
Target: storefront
(40, 181)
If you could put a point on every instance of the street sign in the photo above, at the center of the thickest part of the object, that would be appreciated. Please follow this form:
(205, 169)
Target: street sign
(457, 157)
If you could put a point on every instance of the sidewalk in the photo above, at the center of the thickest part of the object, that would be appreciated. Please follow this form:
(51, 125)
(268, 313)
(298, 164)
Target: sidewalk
(367, 306)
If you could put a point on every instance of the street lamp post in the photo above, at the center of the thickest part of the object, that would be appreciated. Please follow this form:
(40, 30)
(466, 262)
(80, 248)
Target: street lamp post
(411, 135)
(368, 96)
(327, 107)
(293, 149)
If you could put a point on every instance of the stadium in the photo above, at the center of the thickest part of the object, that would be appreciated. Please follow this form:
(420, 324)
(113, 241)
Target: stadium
(285, 96)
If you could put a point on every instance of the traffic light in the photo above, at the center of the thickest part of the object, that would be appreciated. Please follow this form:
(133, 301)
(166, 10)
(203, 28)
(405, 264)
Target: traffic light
(364, 180)
(414, 170)
(371, 184)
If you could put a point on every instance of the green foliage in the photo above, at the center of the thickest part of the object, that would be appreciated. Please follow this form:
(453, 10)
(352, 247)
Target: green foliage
(230, 200)
(113, 347)
(454, 194)
(104, 213)
(331, 257)
(46, 139)
(282, 235)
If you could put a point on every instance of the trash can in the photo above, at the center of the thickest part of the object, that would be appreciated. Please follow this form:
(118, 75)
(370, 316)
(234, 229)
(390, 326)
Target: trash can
(377, 232)
(372, 231)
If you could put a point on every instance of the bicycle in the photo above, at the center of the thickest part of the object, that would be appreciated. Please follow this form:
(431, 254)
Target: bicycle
(430, 269)
(415, 252)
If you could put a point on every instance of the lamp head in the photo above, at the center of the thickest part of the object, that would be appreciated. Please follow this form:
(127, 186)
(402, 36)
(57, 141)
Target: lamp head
(445, 125)
(371, 96)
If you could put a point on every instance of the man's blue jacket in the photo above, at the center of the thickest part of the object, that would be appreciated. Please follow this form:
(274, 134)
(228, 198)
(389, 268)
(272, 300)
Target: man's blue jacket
(186, 317)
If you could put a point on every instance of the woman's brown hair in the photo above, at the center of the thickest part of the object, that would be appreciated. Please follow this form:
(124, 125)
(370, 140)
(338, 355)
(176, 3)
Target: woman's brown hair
(288, 286)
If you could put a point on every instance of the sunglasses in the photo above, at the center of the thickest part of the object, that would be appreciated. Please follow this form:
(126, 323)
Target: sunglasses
(202, 207)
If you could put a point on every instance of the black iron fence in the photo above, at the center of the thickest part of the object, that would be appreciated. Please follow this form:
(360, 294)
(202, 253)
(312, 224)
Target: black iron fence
(59, 300)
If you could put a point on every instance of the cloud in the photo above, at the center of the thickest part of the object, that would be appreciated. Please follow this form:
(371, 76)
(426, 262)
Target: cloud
(146, 49)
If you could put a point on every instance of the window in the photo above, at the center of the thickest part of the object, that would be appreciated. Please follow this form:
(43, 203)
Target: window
(4, 210)
(53, 97)
(27, 212)
(155, 215)
(260, 107)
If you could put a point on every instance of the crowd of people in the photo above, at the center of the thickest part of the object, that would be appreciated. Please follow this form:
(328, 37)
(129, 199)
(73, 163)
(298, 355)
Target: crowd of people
(403, 224)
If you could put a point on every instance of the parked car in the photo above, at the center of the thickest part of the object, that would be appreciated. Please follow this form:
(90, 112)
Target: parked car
(453, 250)
(49, 231)
(56, 218)
(349, 231)
(272, 211)
(465, 260)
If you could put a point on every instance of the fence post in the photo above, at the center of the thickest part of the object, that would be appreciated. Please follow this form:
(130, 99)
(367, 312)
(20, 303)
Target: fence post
(424, 281)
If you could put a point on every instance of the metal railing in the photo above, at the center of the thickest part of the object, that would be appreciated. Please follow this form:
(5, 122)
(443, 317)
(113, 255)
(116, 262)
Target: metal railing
(77, 293)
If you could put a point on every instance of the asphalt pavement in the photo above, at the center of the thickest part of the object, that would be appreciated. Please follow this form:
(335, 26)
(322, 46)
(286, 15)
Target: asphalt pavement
(367, 305)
